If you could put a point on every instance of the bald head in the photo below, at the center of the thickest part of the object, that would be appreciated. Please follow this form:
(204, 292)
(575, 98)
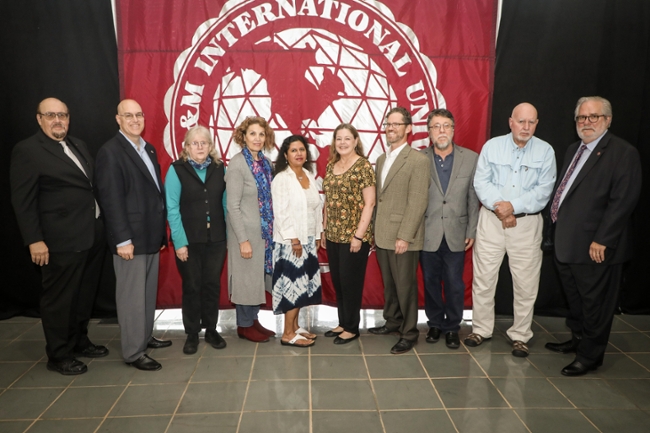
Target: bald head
(523, 123)
(131, 119)
(53, 118)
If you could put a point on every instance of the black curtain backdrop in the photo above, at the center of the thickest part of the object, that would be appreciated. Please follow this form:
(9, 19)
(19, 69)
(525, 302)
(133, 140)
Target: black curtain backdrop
(549, 53)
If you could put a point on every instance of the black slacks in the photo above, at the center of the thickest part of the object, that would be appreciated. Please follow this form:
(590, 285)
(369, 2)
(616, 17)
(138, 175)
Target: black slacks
(201, 275)
(348, 273)
(592, 294)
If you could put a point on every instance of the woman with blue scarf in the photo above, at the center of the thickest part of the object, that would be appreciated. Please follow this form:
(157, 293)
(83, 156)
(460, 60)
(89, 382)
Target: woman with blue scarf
(250, 226)
(195, 188)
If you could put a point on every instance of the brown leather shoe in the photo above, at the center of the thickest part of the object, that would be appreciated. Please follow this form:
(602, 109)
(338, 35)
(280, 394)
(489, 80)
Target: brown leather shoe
(252, 334)
(262, 330)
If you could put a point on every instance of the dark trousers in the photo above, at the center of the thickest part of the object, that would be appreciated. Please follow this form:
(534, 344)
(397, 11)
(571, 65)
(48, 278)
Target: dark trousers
(348, 273)
(70, 283)
(592, 294)
(399, 272)
(201, 275)
(445, 266)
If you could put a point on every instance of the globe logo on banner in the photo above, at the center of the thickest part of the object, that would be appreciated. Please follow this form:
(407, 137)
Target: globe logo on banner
(304, 65)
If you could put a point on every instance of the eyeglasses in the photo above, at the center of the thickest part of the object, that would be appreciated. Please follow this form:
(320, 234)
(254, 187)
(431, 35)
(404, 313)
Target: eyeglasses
(393, 125)
(130, 116)
(50, 116)
(593, 118)
(445, 126)
(200, 143)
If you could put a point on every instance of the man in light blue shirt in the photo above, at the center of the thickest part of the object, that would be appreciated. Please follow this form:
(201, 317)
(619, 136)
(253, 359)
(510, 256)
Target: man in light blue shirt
(514, 179)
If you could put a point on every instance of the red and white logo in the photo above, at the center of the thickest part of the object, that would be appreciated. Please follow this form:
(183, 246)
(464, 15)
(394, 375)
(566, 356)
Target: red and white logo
(304, 65)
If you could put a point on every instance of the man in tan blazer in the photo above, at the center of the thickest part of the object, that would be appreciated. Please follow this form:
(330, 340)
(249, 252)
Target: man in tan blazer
(403, 177)
(449, 227)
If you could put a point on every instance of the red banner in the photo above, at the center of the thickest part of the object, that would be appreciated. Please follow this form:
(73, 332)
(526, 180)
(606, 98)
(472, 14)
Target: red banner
(305, 66)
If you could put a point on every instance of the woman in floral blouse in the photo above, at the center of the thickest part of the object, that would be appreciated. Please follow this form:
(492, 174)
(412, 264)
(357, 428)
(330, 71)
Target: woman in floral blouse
(349, 187)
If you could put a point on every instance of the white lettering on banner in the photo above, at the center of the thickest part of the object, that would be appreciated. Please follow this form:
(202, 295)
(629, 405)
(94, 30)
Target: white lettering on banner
(193, 99)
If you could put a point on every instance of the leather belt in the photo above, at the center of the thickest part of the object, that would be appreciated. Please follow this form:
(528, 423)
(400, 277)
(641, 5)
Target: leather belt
(521, 215)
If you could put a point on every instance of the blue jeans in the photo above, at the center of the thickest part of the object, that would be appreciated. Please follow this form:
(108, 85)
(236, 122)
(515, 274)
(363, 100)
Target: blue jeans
(438, 267)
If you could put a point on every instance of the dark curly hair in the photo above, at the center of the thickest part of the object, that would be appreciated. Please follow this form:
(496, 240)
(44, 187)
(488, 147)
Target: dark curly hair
(281, 162)
(240, 132)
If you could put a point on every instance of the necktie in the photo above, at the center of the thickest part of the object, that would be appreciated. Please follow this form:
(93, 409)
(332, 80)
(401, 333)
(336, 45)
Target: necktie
(560, 189)
(74, 159)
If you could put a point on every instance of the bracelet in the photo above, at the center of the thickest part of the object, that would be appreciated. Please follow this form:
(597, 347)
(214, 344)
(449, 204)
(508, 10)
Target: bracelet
(359, 239)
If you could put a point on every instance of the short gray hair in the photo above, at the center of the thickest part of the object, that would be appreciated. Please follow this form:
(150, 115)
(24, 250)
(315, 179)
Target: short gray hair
(607, 106)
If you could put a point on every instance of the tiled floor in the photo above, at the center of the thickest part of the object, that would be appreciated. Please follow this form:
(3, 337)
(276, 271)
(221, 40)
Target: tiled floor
(355, 388)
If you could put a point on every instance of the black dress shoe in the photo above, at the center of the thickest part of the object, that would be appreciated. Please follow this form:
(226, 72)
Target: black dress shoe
(402, 346)
(91, 351)
(70, 367)
(381, 330)
(213, 338)
(567, 347)
(433, 335)
(577, 368)
(145, 363)
(155, 343)
(452, 341)
(191, 344)
(339, 340)
(331, 333)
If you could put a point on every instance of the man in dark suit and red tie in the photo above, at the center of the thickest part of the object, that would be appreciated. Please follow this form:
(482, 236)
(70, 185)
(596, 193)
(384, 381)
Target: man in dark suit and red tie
(133, 200)
(596, 192)
(53, 196)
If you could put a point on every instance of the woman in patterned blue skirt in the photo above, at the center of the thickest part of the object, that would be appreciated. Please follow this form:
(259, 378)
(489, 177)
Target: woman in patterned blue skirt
(298, 224)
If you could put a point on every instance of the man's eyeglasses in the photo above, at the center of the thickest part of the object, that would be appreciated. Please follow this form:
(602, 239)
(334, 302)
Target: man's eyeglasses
(593, 118)
(130, 116)
(50, 116)
(445, 126)
(393, 125)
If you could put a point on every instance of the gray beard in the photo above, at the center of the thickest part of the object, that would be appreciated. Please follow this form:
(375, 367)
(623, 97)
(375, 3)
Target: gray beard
(441, 146)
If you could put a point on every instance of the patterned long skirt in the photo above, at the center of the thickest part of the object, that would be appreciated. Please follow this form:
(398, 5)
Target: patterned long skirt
(296, 280)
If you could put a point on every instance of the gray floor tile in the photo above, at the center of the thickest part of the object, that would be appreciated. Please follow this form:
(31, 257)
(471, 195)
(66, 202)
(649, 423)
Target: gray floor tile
(10, 371)
(346, 422)
(395, 366)
(620, 325)
(213, 397)
(556, 421)
(34, 333)
(642, 358)
(273, 347)
(274, 422)
(636, 390)
(487, 420)
(617, 421)
(135, 424)
(281, 367)
(65, 425)
(620, 366)
(551, 324)
(148, 400)
(592, 393)
(338, 367)
(23, 351)
(468, 393)
(84, 402)
(380, 344)
(235, 346)
(109, 373)
(26, 403)
(417, 421)
(14, 426)
(11, 331)
(461, 365)
(641, 322)
(506, 365)
(326, 346)
(406, 394)
(531, 392)
(342, 395)
(423, 347)
(631, 342)
(98, 332)
(205, 423)
(174, 351)
(223, 368)
(552, 364)
(175, 370)
(41, 377)
(277, 395)
(536, 344)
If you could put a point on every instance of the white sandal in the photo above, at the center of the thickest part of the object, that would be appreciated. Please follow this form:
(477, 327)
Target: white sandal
(306, 334)
(298, 337)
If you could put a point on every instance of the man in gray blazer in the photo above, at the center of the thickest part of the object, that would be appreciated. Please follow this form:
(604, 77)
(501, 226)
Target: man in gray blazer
(449, 227)
(403, 177)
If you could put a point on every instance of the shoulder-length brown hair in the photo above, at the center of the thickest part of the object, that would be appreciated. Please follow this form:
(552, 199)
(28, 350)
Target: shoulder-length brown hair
(189, 137)
(334, 155)
(240, 132)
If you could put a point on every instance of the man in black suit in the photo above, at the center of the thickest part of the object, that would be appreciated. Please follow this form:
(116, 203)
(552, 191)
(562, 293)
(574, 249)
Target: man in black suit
(596, 192)
(132, 197)
(52, 195)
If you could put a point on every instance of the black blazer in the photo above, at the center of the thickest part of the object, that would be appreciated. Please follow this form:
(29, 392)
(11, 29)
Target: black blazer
(133, 206)
(53, 200)
(598, 205)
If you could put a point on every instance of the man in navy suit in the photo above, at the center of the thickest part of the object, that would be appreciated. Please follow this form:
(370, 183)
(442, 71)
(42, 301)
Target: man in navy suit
(132, 197)
(595, 194)
(53, 197)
